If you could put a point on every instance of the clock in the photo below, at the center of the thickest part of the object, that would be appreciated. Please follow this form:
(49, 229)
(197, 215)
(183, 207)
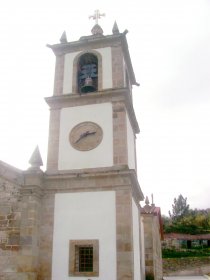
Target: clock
(85, 136)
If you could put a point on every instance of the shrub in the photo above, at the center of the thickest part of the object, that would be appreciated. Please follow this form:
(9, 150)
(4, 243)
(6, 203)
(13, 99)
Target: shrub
(170, 253)
(150, 276)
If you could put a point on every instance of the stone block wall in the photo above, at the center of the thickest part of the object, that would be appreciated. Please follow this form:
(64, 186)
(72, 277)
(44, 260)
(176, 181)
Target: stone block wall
(10, 220)
(186, 266)
(152, 242)
(19, 225)
(157, 253)
(46, 236)
(9, 228)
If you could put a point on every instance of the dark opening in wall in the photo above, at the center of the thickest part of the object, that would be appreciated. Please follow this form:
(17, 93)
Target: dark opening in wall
(87, 73)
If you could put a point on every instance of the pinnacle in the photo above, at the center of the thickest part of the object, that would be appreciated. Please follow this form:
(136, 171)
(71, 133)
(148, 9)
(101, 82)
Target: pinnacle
(36, 159)
(63, 38)
(115, 29)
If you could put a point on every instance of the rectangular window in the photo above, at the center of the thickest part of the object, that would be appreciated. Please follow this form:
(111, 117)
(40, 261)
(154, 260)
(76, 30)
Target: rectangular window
(84, 258)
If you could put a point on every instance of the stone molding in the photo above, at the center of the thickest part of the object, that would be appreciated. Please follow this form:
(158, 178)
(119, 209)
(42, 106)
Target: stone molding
(99, 179)
(110, 95)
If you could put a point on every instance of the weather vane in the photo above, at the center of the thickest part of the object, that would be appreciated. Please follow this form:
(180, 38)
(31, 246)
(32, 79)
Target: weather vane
(96, 16)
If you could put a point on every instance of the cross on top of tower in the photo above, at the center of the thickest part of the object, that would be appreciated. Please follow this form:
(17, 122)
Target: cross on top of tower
(96, 16)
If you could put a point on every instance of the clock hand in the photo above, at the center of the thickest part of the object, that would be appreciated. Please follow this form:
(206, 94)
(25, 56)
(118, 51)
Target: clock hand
(81, 136)
(85, 134)
(90, 133)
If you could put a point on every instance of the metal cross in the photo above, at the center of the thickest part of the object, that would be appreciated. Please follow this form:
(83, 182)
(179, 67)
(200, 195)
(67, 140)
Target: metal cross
(96, 16)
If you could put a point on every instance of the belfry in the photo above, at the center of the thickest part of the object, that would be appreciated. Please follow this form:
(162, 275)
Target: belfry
(80, 219)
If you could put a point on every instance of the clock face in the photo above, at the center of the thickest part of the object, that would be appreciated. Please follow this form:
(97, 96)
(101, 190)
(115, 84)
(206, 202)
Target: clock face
(85, 136)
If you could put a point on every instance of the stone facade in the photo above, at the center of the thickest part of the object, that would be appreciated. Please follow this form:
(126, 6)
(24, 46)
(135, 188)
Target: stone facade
(26, 217)
(153, 233)
(18, 227)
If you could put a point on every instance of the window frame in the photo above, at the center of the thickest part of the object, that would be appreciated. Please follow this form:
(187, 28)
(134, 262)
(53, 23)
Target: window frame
(73, 257)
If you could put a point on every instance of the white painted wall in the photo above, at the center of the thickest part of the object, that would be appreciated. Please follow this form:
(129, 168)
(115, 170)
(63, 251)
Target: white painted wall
(87, 215)
(106, 54)
(102, 155)
(68, 72)
(106, 69)
(136, 241)
(124, 73)
(131, 145)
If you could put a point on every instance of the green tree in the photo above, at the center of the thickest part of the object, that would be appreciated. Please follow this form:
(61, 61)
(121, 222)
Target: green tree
(182, 219)
(180, 208)
(201, 218)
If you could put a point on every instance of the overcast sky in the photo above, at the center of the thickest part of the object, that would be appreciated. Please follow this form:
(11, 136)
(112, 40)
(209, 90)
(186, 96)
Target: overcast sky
(169, 43)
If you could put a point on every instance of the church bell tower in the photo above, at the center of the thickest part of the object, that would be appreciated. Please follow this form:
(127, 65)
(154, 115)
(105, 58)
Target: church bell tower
(91, 176)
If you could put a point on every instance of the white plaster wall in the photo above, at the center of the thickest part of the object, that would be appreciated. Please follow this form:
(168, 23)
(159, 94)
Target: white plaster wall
(89, 215)
(106, 69)
(131, 145)
(102, 155)
(136, 241)
(68, 72)
(106, 54)
(124, 72)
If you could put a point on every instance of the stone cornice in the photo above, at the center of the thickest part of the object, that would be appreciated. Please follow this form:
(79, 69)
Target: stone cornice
(128, 61)
(87, 172)
(96, 179)
(110, 95)
(137, 190)
(70, 100)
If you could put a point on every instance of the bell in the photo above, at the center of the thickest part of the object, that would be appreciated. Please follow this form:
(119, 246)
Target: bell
(88, 86)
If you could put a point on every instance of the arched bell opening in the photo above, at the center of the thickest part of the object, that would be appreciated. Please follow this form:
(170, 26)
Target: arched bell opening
(87, 73)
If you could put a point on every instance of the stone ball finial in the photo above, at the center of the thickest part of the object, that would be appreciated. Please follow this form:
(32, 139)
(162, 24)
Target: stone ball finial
(97, 30)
